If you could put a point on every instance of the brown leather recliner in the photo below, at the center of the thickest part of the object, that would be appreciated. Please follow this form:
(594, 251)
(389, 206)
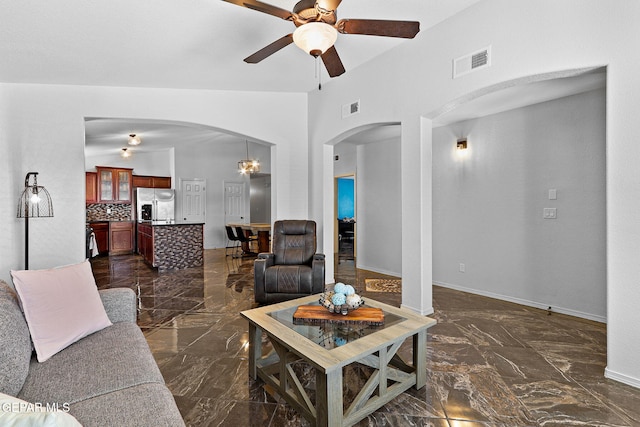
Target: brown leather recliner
(293, 269)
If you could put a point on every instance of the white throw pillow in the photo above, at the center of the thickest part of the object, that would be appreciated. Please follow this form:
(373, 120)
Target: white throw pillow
(61, 305)
(15, 412)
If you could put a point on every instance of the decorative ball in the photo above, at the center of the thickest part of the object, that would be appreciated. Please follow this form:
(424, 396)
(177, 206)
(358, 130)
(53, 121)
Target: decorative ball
(340, 341)
(353, 301)
(339, 288)
(348, 290)
(338, 299)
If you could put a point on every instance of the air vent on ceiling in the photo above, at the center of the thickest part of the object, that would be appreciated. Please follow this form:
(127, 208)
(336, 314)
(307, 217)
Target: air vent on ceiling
(350, 109)
(472, 62)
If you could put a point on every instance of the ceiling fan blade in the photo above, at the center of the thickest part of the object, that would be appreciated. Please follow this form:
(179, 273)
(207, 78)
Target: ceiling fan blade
(267, 8)
(332, 62)
(270, 49)
(328, 4)
(376, 27)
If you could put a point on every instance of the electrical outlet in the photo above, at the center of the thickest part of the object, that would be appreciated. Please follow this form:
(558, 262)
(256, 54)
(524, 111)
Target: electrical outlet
(462, 268)
(549, 213)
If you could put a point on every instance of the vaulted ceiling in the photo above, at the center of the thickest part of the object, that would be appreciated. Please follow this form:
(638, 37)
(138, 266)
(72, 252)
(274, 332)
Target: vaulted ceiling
(195, 44)
(201, 44)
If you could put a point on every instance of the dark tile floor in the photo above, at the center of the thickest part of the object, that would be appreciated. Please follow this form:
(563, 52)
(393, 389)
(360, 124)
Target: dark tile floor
(490, 363)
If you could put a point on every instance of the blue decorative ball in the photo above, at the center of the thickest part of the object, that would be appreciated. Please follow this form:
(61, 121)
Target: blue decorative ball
(338, 299)
(348, 290)
(340, 288)
(340, 341)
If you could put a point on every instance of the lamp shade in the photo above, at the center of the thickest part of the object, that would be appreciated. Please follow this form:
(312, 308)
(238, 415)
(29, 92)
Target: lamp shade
(315, 37)
(35, 202)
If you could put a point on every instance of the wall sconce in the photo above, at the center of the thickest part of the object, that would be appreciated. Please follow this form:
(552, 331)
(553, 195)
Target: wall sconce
(35, 202)
(125, 153)
(462, 144)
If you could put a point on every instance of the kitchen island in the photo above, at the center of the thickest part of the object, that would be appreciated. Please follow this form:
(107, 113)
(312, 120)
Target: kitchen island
(169, 245)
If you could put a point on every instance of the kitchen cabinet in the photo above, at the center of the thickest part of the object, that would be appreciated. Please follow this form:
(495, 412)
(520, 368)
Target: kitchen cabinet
(120, 237)
(101, 230)
(146, 181)
(145, 242)
(91, 187)
(114, 184)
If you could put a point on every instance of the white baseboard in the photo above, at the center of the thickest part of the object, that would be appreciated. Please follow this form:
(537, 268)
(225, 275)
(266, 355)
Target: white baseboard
(535, 304)
(616, 376)
(425, 312)
(379, 270)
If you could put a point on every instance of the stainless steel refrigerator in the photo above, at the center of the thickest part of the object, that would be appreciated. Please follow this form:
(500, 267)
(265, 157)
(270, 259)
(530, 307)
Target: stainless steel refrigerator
(155, 204)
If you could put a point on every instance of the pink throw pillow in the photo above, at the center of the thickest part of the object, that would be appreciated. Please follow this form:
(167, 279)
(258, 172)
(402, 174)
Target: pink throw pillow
(61, 306)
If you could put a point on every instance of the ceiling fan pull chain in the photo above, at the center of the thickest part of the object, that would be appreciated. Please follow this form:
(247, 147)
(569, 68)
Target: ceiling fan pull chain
(318, 72)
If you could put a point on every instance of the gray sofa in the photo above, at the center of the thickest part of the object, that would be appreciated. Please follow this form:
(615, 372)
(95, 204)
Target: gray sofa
(108, 378)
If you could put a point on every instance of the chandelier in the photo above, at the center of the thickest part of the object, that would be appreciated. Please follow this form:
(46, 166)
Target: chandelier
(248, 166)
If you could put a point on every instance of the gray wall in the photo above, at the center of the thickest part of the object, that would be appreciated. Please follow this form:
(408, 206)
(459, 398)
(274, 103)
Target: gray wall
(260, 199)
(488, 206)
(378, 207)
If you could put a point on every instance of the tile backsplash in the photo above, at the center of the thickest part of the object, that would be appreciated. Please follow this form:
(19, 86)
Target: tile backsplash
(118, 212)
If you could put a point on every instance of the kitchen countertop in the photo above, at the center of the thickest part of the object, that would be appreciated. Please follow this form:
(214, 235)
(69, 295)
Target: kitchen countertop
(164, 223)
(109, 220)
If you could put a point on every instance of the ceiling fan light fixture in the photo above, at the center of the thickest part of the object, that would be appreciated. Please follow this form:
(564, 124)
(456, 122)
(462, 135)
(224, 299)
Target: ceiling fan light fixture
(134, 139)
(315, 37)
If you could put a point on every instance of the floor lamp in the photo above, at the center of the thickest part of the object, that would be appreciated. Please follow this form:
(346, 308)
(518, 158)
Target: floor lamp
(35, 202)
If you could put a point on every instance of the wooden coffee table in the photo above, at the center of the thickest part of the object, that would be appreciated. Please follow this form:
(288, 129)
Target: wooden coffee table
(328, 347)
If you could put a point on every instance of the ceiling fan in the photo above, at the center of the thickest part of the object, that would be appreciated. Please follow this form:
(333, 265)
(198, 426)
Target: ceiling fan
(318, 27)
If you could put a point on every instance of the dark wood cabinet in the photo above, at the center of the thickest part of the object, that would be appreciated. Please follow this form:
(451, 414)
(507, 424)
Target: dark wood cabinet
(146, 181)
(120, 237)
(114, 184)
(101, 230)
(145, 242)
(161, 182)
(91, 187)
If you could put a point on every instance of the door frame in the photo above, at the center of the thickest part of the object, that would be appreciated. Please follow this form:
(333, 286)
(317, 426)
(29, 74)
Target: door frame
(336, 226)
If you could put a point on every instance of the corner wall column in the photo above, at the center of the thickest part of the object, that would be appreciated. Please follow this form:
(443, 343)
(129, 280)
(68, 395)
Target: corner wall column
(417, 180)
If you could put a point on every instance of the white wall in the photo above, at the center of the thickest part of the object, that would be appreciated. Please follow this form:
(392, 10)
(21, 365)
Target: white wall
(42, 130)
(216, 162)
(379, 207)
(153, 163)
(488, 206)
(346, 163)
(530, 41)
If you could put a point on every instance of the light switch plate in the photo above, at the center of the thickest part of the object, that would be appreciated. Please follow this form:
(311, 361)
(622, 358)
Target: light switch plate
(549, 213)
(553, 194)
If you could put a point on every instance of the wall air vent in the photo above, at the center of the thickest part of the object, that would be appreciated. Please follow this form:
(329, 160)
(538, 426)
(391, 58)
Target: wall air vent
(472, 62)
(350, 109)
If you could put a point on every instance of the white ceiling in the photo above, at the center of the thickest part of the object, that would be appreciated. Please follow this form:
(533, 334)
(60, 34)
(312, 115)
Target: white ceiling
(200, 44)
(195, 44)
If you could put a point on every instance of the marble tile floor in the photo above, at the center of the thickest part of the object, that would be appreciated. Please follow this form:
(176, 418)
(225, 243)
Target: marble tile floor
(490, 363)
